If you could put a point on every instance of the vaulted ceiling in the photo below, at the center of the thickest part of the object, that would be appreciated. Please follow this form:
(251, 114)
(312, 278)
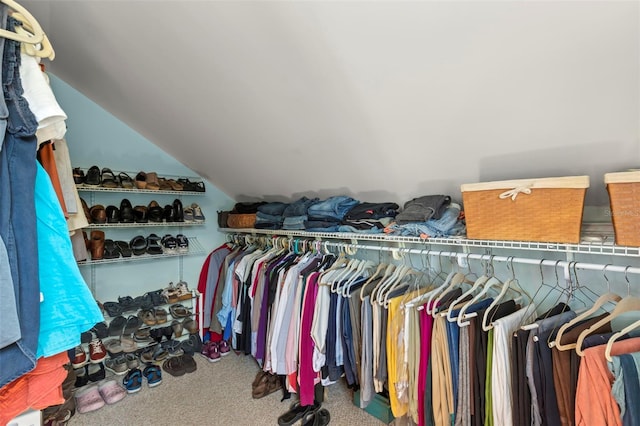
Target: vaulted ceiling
(382, 100)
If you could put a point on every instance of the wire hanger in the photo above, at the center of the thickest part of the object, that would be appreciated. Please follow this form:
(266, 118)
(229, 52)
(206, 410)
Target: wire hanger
(605, 298)
(627, 304)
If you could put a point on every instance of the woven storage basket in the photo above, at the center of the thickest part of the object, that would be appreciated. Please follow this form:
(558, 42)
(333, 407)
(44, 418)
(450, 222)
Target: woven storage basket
(624, 198)
(542, 210)
(236, 220)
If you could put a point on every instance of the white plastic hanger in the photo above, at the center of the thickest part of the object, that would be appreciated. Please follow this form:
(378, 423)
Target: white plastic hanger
(375, 275)
(478, 284)
(605, 298)
(616, 336)
(36, 36)
(388, 273)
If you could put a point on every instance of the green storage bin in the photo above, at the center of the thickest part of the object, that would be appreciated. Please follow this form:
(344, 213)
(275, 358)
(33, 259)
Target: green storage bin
(379, 407)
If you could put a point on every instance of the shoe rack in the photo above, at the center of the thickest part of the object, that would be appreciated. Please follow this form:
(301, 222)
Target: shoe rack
(95, 194)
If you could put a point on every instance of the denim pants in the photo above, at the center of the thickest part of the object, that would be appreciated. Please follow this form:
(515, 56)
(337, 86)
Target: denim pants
(18, 215)
(333, 208)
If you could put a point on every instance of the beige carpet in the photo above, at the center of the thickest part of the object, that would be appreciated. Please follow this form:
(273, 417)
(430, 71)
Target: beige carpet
(216, 394)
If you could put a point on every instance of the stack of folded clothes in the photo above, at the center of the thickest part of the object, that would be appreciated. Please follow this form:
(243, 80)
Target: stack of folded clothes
(369, 217)
(295, 214)
(431, 216)
(270, 216)
(327, 215)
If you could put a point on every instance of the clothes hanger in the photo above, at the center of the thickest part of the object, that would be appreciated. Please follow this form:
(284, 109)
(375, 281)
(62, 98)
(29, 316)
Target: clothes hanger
(376, 273)
(463, 318)
(627, 304)
(487, 323)
(34, 37)
(457, 279)
(388, 273)
(400, 284)
(382, 290)
(552, 289)
(361, 272)
(477, 285)
(430, 305)
(605, 298)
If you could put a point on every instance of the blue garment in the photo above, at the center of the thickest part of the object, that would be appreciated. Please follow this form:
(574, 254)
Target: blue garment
(351, 229)
(334, 228)
(626, 387)
(10, 330)
(347, 344)
(446, 226)
(333, 208)
(299, 207)
(18, 215)
(272, 209)
(213, 277)
(67, 307)
(294, 222)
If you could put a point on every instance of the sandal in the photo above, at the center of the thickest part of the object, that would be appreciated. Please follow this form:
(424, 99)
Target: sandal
(297, 412)
(153, 244)
(179, 311)
(164, 185)
(161, 316)
(78, 176)
(190, 325)
(93, 176)
(141, 180)
(183, 291)
(177, 327)
(111, 250)
(152, 181)
(125, 180)
(183, 243)
(270, 385)
(124, 248)
(148, 316)
(109, 180)
(170, 294)
(126, 212)
(175, 185)
(138, 245)
(113, 309)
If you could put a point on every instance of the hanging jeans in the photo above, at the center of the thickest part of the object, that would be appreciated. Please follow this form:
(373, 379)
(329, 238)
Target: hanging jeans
(18, 215)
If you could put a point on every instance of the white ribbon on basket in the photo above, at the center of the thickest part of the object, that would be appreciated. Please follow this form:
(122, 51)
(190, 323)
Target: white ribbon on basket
(513, 193)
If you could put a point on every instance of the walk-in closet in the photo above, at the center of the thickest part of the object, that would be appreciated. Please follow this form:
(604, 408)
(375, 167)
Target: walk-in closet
(320, 213)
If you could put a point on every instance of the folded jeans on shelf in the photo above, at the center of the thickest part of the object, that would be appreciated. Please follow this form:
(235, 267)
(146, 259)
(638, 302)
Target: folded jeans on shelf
(272, 209)
(332, 208)
(299, 207)
(294, 223)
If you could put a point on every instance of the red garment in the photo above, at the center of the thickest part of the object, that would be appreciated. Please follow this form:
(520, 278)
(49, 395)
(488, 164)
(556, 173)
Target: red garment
(38, 389)
(45, 155)
(202, 281)
(306, 375)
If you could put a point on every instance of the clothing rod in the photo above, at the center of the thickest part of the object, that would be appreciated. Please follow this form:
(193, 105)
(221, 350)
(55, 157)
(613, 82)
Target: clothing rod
(487, 257)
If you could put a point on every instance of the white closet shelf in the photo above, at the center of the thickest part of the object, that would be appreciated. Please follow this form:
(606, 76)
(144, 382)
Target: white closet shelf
(194, 248)
(95, 188)
(142, 225)
(598, 248)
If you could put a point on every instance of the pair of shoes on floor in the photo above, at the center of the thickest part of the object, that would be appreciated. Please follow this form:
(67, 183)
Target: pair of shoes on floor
(265, 384)
(97, 354)
(306, 413)
(89, 373)
(213, 351)
(178, 366)
(95, 397)
(133, 380)
(100, 331)
(122, 363)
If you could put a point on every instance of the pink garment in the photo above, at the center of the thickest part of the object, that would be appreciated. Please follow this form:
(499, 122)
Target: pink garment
(306, 375)
(595, 404)
(426, 327)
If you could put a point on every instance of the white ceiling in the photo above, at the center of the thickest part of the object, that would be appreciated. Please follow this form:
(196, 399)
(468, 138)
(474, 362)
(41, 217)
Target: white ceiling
(382, 100)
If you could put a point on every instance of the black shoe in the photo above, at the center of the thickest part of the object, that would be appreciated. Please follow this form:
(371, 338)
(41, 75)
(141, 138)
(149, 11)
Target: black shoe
(126, 212)
(116, 326)
(178, 213)
(138, 245)
(100, 330)
(95, 372)
(113, 214)
(81, 377)
(296, 412)
(93, 176)
(153, 244)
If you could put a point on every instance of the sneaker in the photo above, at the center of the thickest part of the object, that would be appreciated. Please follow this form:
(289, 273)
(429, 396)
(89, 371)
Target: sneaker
(117, 365)
(133, 381)
(183, 243)
(224, 348)
(211, 351)
(111, 392)
(97, 351)
(153, 374)
(88, 400)
(80, 359)
(197, 213)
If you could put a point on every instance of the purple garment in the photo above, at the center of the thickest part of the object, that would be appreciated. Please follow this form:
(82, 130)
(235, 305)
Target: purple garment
(262, 324)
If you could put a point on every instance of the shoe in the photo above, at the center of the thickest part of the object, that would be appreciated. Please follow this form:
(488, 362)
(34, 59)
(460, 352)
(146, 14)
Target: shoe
(128, 344)
(211, 351)
(113, 309)
(133, 381)
(152, 181)
(153, 374)
(319, 417)
(188, 215)
(169, 244)
(113, 347)
(266, 386)
(81, 377)
(178, 214)
(78, 176)
(296, 412)
(93, 176)
(88, 400)
(116, 326)
(124, 248)
(141, 180)
(132, 361)
(153, 244)
(100, 330)
(183, 243)
(175, 185)
(138, 245)
(133, 323)
(154, 355)
(189, 363)
(164, 184)
(95, 372)
(125, 180)
(155, 213)
(173, 348)
(127, 214)
(190, 325)
(113, 214)
(85, 209)
(80, 359)
(109, 180)
(197, 213)
(161, 315)
(224, 348)
(179, 311)
(111, 392)
(97, 245)
(174, 366)
(111, 250)
(183, 291)
(192, 345)
(142, 336)
(117, 365)
(97, 351)
(98, 214)
(140, 214)
(148, 316)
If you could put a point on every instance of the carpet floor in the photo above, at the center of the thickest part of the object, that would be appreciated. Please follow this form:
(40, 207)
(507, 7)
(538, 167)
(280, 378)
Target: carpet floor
(216, 394)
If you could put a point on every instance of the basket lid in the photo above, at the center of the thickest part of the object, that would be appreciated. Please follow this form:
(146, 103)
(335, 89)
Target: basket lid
(622, 177)
(554, 182)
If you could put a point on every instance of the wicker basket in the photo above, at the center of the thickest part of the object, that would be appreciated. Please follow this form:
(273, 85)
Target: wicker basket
(237, 220)
(542, 210)
(624, 198)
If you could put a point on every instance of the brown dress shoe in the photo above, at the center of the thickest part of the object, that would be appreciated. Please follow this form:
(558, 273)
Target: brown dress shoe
(98, 214)
(97, 245)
